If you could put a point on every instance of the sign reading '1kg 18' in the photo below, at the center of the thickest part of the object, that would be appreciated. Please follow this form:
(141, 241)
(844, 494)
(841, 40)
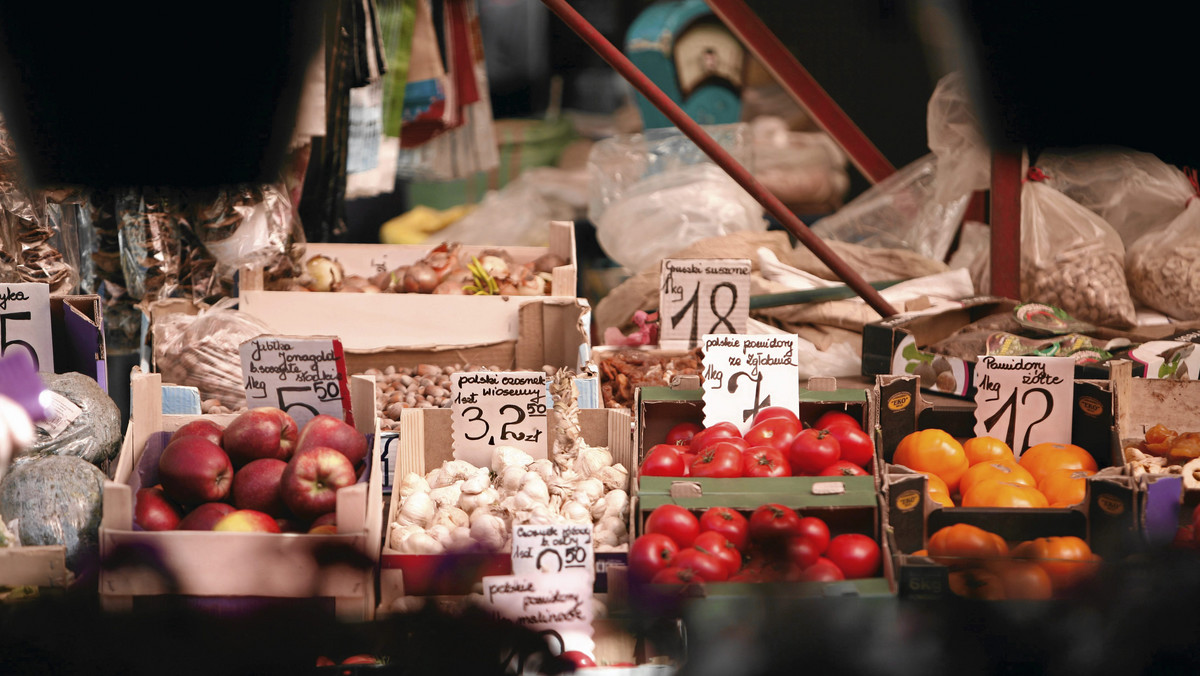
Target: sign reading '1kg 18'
(702, 295)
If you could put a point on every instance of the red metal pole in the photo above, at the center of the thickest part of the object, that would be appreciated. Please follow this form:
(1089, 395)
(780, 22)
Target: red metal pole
(803, 87)
(719, 155)
(1006, 224)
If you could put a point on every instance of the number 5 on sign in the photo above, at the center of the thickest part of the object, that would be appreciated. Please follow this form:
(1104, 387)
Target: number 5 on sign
(1024, 400)
(25, 323)
(702, 295)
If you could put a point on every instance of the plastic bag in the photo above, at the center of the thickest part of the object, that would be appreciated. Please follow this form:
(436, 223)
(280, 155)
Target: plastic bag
(1161, 266)
(667, 211)
(249, 225)
(964, 159)
(517, 214)
(1071, 258)
(94, 433)
(201, 350)
(899, 212)
(1134, 192)
(805, 170)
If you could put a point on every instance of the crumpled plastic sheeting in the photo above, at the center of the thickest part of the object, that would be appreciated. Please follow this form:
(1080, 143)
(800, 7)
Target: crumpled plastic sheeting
(94, 436)
(56, 500)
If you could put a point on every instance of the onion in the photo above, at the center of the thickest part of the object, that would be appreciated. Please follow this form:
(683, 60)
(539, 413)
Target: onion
(420, 278)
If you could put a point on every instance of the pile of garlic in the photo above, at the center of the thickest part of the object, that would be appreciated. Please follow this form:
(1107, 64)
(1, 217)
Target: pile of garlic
(461, 507)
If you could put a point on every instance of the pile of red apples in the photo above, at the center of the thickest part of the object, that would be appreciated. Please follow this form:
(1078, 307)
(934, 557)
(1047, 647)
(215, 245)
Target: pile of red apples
(260, 473)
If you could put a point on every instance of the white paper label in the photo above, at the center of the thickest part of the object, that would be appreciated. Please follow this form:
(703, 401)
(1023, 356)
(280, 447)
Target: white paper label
(559, 602)
(1024, 400)
(303, 376)
(744, 374)
(1169, 360)
(497, 408)
(60, 413)
(25, 323)
(553, 548)
(702, 295)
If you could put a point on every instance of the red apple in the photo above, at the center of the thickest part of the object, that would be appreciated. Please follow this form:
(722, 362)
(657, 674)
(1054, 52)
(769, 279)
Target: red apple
(290, 524)
(256, 486)
(193, 470)
(312, 479)
(326, 430)
(201, 428)
(247, 521)
(264, 432)
(205, 516)
(153, 510)
(324, 524)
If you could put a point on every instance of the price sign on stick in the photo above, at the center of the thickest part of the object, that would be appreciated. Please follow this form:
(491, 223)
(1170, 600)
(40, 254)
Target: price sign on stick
(553, 548)
(702, 295)
(744, 374)
(25, 323)
(558, 602)
(1024, 400)
(490, 409)
(304, 376)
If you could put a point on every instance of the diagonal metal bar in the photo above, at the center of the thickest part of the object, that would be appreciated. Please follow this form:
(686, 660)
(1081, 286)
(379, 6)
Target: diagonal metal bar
(804, 88)
(719, 155)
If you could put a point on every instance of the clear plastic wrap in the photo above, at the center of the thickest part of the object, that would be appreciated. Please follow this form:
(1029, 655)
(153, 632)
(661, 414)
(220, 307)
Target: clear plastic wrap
(1071, 258)
(964, 160)
(1134, 192)
(56, 500)
(94, 434)
(1163, 266)
(249, 225)
(201, 350)
(899, 212)
(151, 251)
(805, 170)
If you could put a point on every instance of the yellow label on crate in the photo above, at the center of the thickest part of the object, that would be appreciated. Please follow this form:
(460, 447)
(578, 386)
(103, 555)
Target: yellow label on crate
(1091, 406)
(899, 401)
(1111, 505)
(908, 500)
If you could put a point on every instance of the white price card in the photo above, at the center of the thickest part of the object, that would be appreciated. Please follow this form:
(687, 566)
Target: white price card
(304, 376)
(558, 602)
(702, 295)
(553, 548)
(744, 374)
(497, 408)
(1024, 400)
(25, 323)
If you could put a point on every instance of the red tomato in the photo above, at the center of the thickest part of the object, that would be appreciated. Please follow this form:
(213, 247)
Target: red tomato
(662, 460)
(649, 554)
(843, 468)
(718, 461)
(719, 432)
(323, 661)
(675, 522)
(681, 434)
(812, 451)
(746, 575)
(703, 563)
(855, 444)
(675, 575)
(777, 433)
(803, 551)
(815, 529)
(773, 521)
(579, 658)
(775, 412)
(764, 461)
(835, 417)
(716, 544)
(361, 659)
(823, 570)
(855, 554)
(727, 522)
(687, 459)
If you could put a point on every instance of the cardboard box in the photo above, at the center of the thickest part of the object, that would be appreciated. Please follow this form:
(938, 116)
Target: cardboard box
(424, 445)
(404, 320)
(210, 564)
(37, 566)
(77, 326)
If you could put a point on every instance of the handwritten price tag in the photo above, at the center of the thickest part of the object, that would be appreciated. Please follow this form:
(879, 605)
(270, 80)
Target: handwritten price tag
(489, 409)
(744, 374)
(558, 602)
(25, 323)
(303, 376)
(1024, 400)
(553, 548)
(702, 295)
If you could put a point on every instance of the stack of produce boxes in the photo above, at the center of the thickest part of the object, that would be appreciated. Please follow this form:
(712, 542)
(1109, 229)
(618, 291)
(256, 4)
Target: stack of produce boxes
(841, 509)
(1096, 513)
(227, 566)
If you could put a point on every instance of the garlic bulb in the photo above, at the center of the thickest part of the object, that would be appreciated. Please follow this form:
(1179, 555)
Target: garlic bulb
(421, 543)
(417, 510)
(613, 477)
(433, 478)
(413, 483)
(477, 483)
(544, 468)
(510, 478)
(460, 538)
(397, 533)
(588, 491)
(506, 456)
(616, 504)
(488, 530)
(610, 530)
(451, 517)
(458, 469)
(540, 515)
(440, 533)
(533, 486)
(472, 503)
(576, 512)
(591, 460)
(447, 496)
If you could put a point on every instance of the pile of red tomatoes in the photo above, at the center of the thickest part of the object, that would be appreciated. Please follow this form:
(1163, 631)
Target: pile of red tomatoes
(776, 445)
(773, 544)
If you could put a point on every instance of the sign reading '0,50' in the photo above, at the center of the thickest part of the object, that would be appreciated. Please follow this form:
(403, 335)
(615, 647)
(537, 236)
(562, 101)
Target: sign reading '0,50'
(25, 323)
(702, 295)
